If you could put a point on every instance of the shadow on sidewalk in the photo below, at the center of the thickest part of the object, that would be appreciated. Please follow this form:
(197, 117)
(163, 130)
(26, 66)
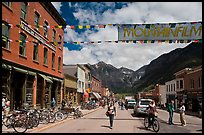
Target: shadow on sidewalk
(105, 126)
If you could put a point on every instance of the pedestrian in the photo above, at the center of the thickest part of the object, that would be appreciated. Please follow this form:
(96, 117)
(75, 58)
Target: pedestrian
(122, 105)
(182, 114)
(152, 112)
(63, 103)
(112, 112)
(7, 106)
(53, 103)
(3, 107)
(170, 109)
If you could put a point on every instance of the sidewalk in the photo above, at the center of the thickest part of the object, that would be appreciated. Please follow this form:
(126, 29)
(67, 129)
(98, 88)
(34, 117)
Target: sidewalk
(49, 125)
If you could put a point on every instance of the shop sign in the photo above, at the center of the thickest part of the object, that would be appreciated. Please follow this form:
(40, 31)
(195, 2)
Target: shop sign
(28, 29)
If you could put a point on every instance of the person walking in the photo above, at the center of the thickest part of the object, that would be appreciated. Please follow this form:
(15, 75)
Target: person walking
(53, 103)
(182, 114)
(112, 112)
(170, 109)
(7, 106)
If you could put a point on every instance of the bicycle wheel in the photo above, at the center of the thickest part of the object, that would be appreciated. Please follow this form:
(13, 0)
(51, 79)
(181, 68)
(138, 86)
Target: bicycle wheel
(59, 116)
(20, 126)
(44, 118)
(156, 125)
(51, 117)
(146, 122)
(8, 121)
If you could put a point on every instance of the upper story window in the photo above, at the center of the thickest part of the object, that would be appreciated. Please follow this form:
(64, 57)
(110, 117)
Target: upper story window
(199, 82)
(22, 50)
(45, 56)
(54, 36)
(5, 36)
(181, 84)
(53, 60)
(24, 10)
(35, 52)
(59, 63)
(36, 20)
(45, 29)
(7, 4)
(177, 84)
(192, 83)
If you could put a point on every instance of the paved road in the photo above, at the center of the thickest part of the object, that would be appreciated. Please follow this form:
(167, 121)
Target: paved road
(125, 122)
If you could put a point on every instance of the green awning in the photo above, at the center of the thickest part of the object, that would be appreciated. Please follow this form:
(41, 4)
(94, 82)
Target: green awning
(20, 70)
(46, 78)
(6, 66)
(31, 73)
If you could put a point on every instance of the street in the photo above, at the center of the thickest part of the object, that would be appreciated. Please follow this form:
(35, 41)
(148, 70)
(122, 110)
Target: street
(124, 122)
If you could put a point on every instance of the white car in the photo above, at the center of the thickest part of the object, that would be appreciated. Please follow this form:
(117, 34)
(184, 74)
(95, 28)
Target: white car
(141, 106)
(131, 103)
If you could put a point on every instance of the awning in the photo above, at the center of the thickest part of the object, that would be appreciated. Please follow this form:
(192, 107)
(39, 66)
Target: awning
(98, 95)
(6, 66)
(95, 95)
(31, 73)
(21, 70)
(46, 78)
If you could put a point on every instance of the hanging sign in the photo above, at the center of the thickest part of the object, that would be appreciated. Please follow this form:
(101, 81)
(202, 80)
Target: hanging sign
(165, 31)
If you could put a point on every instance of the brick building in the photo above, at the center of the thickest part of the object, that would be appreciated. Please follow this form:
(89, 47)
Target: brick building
(31, 71)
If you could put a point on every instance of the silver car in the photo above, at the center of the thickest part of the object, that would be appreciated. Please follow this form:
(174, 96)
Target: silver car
(141, 106)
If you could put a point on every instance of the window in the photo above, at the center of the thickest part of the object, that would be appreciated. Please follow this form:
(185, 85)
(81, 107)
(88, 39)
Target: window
(22, 49)
(192, 83)
(60, 40)
(181, 84)
(45, 56)
(59, 63)
(7, 4)
(166, 88)
(199, 82)
(177, 84)
(45, 28)
(36, 20)
(35, 52)
(5, 36)
(23, 10)
(53, 60)
(53, 36)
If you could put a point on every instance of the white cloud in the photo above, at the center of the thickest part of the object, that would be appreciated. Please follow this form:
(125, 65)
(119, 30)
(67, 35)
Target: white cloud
(130, 55)
(57, 5)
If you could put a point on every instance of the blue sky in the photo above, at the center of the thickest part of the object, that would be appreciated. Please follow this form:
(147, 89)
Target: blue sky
(132, 56)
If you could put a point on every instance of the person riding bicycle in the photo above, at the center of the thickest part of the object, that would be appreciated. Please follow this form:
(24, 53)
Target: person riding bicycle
(151, 112)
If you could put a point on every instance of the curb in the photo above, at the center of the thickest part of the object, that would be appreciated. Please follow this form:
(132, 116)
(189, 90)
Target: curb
(58, 123)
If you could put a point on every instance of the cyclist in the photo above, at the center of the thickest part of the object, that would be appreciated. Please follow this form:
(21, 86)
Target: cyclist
(151, 112)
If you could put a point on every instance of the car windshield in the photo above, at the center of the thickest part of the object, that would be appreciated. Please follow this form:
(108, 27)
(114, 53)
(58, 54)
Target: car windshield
(131, 100)
(145, 102)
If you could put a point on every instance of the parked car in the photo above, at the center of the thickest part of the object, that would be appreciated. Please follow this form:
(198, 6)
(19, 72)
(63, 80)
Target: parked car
(141, 106)
(131, 103)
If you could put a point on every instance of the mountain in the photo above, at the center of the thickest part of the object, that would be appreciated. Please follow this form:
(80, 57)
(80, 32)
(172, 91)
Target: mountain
(160, 70)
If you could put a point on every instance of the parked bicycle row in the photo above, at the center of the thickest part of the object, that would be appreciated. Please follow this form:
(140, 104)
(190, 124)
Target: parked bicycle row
(24, 119)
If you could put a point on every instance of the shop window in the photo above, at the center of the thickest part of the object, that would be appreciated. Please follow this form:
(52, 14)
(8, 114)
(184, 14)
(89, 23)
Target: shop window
(35, 52)
(22, 50)
(53, 60)
(5, 36)
(39, 90)
(36, 20)
(59, 63)
(24, 10)
(45, 29)
(29, 89)
(45, 56)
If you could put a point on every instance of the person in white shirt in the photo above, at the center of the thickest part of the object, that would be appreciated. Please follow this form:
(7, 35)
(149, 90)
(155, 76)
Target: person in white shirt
(112, 112)
(182, 114)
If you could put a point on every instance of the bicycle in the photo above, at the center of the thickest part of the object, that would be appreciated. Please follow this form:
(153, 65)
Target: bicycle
(155, 123)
